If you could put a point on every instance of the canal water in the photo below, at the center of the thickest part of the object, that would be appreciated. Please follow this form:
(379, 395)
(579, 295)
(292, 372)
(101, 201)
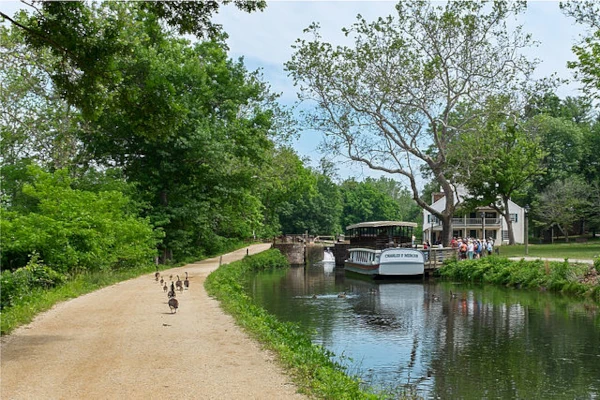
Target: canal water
(441, 339)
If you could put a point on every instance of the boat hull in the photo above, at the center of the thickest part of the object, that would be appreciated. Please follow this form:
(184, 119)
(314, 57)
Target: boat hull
(398, 262)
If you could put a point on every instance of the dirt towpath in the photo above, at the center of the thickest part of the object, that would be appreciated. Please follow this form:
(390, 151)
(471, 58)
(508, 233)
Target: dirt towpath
(122, 342)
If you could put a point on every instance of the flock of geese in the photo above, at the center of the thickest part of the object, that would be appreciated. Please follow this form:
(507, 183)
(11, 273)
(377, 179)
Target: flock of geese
(178, 285)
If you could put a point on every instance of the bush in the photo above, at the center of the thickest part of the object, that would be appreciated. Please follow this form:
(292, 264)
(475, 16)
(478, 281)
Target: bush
(74, 230)
(557, 276)
(20, 283)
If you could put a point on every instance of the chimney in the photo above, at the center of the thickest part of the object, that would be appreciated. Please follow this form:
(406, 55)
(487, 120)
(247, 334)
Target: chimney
(436, 196)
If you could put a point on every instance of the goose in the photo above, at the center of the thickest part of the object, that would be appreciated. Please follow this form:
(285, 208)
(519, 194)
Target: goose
(165, 288)
(171, 293)
(173, 304)
(179, 284)
(342, 295)
(314, 296)
(161, 280)
(186, 283)
(156, 276)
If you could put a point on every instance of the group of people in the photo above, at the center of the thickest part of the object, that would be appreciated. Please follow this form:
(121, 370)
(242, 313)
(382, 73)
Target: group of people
(471, 248)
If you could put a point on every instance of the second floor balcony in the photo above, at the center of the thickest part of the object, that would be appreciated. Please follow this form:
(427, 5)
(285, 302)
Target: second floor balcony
(470, 222)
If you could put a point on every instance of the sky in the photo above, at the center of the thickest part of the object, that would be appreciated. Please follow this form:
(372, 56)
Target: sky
(264, 40)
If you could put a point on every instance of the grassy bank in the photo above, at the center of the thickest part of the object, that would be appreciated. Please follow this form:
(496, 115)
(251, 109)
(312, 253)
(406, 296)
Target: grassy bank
(575, 279)
(37, 300)
(311, 366)
(572, 250)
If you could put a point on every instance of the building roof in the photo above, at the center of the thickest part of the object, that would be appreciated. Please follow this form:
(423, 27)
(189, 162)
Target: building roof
(379, 224)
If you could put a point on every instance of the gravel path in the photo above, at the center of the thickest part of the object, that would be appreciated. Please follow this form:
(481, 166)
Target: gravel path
(123, 342)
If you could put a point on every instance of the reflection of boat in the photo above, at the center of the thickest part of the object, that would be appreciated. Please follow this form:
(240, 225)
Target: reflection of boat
(379, 249)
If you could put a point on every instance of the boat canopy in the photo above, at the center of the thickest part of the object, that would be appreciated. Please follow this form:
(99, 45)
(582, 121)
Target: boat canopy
(377, 224)
(381, 234)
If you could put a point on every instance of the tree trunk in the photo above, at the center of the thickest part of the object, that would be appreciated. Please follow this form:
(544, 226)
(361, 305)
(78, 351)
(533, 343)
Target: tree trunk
(509, 226)
(446, 230)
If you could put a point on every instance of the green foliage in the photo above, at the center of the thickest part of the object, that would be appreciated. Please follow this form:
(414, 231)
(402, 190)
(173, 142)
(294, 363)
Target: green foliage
(557, 276)
(311, 366)
(587, 65)
(367, 201)
(20, 283)
(73, 229)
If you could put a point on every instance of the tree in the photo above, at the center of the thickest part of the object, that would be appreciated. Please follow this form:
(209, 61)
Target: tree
(35, 123)
(387, 102)
(496, 158)
(587, 66)
(187, 125)
(408, 210)
(74, 230)
(562, 204)
(365, 201)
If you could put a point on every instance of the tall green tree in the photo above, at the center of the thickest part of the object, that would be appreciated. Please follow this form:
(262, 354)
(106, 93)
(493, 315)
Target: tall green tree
(366, 201)
(562, 204)
(497, 158)
(408, 208)
(186, 124)
(35, 123)
(74, 230)
(387, 101)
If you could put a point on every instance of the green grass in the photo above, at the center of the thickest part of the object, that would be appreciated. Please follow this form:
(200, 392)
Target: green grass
(587, 251)
(312, 367)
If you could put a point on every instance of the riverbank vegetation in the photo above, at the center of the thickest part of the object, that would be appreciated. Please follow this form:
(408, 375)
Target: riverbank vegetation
(564, 277)
(311, 366)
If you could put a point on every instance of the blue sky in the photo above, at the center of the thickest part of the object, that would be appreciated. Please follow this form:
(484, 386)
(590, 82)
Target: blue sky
(264, 39)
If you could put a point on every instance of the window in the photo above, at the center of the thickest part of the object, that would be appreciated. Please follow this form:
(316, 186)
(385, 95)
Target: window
(514, 217)
(504, 235)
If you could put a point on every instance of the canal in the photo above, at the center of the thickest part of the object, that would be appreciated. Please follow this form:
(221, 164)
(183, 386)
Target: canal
(441, 339)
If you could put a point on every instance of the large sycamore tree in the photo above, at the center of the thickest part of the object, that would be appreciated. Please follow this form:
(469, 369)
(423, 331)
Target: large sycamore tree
(387, 100)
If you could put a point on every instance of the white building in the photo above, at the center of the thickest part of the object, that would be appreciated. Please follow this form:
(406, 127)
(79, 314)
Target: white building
(483, 223)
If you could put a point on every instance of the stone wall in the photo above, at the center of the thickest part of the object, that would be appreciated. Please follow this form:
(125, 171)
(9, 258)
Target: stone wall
(293, 251)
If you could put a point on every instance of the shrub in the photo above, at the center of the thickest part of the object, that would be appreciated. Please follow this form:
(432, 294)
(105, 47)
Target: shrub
(558, 276)
(75, 230)
(35, 275)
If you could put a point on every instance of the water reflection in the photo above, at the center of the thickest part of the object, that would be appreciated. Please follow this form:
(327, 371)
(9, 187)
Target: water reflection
(446, 340)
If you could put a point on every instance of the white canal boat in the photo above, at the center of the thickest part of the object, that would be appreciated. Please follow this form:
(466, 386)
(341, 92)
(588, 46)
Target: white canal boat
(383, 248)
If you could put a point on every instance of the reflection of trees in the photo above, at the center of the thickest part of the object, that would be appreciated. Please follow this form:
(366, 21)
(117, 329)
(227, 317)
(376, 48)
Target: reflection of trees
(499, 346)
